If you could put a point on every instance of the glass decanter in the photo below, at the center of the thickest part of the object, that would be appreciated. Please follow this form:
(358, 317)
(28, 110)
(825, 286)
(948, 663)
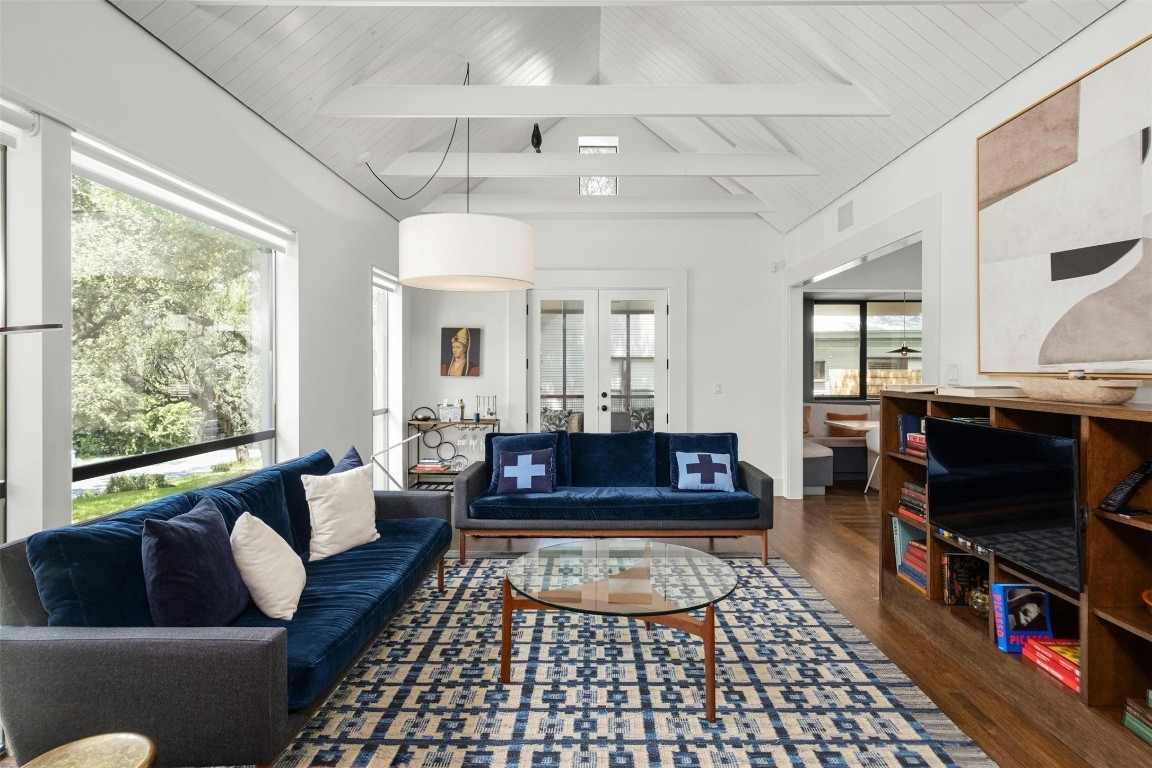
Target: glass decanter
(979, 600)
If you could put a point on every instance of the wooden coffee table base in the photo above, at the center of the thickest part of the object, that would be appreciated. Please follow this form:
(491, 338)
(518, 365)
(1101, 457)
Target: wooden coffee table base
(706, 630)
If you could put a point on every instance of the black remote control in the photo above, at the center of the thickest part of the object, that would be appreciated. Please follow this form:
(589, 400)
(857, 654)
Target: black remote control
(1119, 496)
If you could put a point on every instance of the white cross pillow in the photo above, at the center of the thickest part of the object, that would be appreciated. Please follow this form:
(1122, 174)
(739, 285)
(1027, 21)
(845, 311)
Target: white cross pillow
(525, 471)
(704, 471)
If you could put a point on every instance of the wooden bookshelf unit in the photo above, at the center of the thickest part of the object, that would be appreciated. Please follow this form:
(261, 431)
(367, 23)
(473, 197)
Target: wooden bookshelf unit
(1109, 618)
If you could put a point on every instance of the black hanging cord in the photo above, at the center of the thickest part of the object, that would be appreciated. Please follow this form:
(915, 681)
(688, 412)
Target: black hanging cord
(467, 75)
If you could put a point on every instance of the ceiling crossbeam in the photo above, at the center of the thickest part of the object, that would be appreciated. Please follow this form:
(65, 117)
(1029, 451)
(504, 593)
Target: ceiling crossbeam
(554, 164)
(592, 204)
(541, 101)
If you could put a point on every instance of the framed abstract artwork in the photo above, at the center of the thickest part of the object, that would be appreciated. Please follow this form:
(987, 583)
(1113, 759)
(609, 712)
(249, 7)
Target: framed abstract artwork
(1064, 195)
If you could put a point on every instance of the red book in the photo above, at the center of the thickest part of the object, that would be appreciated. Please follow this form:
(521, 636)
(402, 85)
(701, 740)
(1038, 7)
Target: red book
(1058, 672)
(916, 438)
(916, 565)
(1059, 652)
(914, 495)
(908, 514)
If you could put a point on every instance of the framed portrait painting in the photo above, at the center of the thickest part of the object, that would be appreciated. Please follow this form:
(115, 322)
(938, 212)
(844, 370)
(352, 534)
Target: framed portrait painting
(1064, 196)
(459, 351)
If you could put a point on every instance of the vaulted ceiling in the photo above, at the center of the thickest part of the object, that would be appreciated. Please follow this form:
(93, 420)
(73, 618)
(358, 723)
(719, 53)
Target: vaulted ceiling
(922, 61)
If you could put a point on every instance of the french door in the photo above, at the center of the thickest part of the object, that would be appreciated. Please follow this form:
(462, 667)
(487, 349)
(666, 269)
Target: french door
(598, 360)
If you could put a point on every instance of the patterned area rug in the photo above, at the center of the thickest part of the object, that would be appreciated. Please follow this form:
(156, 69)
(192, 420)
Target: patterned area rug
(797, 685)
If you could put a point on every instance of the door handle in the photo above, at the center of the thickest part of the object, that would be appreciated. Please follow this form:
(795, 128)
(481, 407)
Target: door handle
(603, 407)
(603, 394)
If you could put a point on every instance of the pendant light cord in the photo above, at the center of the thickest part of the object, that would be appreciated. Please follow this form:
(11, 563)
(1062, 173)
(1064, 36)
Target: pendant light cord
(456, 122)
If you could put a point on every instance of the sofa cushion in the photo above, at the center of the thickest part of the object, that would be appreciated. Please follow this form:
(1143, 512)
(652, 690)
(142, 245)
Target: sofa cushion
(520, 443)
(348, 599)
(701, 442)
(262, 494)
(315, 463)
(189, 572)
(613, 459)
(93, 575)
(561, 460)
(271, 569)
(343, 511)
(616, 503)
(350, 460)
(663, 458)
(526, 472)
(704, 472)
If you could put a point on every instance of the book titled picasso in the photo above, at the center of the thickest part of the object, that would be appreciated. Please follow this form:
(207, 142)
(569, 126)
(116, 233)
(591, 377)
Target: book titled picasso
(1019, 611)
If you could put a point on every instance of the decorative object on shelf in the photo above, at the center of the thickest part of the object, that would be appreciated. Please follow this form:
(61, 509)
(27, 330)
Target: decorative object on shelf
(486, 406)
(420, 415)
(1087, 278)
(464, 251)
(449, 411)
(459, 351)
(1097, 391)
(903, 349)
(979, 600)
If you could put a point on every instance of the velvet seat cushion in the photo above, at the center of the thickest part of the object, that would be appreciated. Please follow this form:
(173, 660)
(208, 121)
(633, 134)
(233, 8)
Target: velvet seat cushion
(93, 575)
(348, 598)
(616, 503)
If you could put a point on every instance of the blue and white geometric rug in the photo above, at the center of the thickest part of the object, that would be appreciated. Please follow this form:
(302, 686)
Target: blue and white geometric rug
(796, 685)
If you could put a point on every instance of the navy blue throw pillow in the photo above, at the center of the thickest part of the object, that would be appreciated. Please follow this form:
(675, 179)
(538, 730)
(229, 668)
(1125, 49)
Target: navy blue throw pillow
(189, 572)
(526, 472)
(350, 460)
(705, 472)
(529, 441)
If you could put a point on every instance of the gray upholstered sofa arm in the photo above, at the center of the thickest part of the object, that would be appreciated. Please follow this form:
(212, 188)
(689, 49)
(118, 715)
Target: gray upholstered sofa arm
(58, 684)
(759, 484)
(400, 505)
(465, 488)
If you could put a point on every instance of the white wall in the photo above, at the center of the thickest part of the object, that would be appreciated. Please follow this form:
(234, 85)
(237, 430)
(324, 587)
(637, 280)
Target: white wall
(943, 167)
(91, 68)
(732, 337)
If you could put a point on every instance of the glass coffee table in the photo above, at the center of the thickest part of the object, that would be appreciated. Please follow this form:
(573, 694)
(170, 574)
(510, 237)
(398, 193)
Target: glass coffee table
(654, 582)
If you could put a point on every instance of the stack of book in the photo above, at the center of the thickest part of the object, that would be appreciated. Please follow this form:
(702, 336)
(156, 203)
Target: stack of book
(1138, 717)
(905, 423)
(430, 465)
(1059, 658)
(913, 502)
(916, 445)
(914, 565)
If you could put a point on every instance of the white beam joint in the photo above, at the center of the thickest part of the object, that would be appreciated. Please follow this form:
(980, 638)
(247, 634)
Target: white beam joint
(600, 204)
(560, 164)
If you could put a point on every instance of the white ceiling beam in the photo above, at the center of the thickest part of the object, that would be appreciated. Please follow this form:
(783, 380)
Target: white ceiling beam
(540, 101)
(590, 204)
(553, 164)
(587, 3)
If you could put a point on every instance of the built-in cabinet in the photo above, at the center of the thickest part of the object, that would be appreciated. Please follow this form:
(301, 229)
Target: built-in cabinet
(1109, 618)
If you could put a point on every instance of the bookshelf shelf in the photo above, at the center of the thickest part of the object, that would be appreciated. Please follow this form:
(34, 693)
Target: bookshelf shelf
(1112, 624)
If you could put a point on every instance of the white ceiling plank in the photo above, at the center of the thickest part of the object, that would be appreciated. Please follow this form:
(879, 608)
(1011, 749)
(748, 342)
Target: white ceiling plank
(188, 27)
(586, 3)
(217, 32)
(530, 164)
(302, 22)
(1054, 19)
(600, 101)
(157, 18)
(990, 27)
(241, 40)
(967, 40)
(591, 204)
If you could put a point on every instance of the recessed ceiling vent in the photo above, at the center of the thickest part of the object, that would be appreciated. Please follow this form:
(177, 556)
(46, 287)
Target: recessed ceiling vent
(844, 216)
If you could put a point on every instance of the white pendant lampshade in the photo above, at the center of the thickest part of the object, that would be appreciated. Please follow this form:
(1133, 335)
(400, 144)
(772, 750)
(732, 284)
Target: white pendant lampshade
(467, 252)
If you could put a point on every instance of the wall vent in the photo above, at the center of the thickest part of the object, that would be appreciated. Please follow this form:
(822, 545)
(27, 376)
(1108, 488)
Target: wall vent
(844, 216)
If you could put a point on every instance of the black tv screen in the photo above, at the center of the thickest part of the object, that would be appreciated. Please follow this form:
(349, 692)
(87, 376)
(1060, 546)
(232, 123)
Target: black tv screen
(1015, 493)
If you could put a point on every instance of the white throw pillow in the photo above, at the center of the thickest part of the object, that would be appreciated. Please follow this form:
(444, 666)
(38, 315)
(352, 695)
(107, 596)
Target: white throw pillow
(272, 571)
(343, 511)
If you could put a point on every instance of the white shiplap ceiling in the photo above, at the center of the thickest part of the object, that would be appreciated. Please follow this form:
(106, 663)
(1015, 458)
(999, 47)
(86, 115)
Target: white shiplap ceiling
(925, 61)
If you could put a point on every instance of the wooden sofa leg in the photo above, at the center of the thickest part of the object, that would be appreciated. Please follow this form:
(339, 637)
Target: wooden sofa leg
(440, 576)
(463, 545)
(764, 546)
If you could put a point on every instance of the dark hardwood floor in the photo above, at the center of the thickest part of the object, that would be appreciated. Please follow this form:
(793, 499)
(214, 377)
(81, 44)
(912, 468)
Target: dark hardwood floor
(832, 542)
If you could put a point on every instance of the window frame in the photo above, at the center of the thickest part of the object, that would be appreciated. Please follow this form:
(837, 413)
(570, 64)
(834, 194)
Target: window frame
(598, 142)
(862, 358)
(107, 166)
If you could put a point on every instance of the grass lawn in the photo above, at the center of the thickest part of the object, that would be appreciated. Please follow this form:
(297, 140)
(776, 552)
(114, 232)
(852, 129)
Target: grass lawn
(88, 507)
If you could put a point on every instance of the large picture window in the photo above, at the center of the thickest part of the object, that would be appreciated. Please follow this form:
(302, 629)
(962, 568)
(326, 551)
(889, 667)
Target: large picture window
(854, 347)
(171, 351)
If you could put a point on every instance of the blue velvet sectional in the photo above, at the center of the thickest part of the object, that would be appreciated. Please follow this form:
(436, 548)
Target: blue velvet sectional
(617, 484)
(81, 655)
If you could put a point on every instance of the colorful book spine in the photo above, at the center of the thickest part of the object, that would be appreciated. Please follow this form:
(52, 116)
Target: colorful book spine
(1139, 710)
(912, 576)
(905, 424)
(960, 572)
(910, 515)
(1062, 653)
(1014, 621)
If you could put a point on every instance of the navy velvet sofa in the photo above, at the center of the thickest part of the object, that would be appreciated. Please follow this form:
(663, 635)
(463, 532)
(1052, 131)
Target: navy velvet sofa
(615, 484)
(80, 655)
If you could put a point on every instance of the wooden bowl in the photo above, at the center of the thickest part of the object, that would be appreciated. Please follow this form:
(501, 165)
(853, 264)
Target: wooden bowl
(1147, 595)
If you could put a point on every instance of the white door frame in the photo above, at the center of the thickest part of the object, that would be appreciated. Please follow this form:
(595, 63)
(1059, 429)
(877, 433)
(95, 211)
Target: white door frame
(675, 282)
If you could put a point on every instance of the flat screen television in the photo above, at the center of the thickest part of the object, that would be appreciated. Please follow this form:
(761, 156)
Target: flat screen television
(1015, 493)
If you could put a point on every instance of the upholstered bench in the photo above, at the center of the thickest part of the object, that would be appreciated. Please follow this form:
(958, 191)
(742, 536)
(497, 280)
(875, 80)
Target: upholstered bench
(817, 467)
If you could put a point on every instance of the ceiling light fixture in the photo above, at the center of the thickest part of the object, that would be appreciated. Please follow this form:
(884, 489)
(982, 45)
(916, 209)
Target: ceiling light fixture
(465, 251)
(904, 349)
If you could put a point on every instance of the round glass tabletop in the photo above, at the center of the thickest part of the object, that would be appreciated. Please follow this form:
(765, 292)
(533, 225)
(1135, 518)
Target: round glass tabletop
(622, 577)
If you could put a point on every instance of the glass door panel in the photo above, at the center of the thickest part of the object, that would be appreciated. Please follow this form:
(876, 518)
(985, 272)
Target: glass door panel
(632, 364)
(560, 325)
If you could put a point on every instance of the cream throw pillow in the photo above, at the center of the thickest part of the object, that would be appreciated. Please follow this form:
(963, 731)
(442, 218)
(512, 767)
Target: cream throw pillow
(343, 511)
(272, 571)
